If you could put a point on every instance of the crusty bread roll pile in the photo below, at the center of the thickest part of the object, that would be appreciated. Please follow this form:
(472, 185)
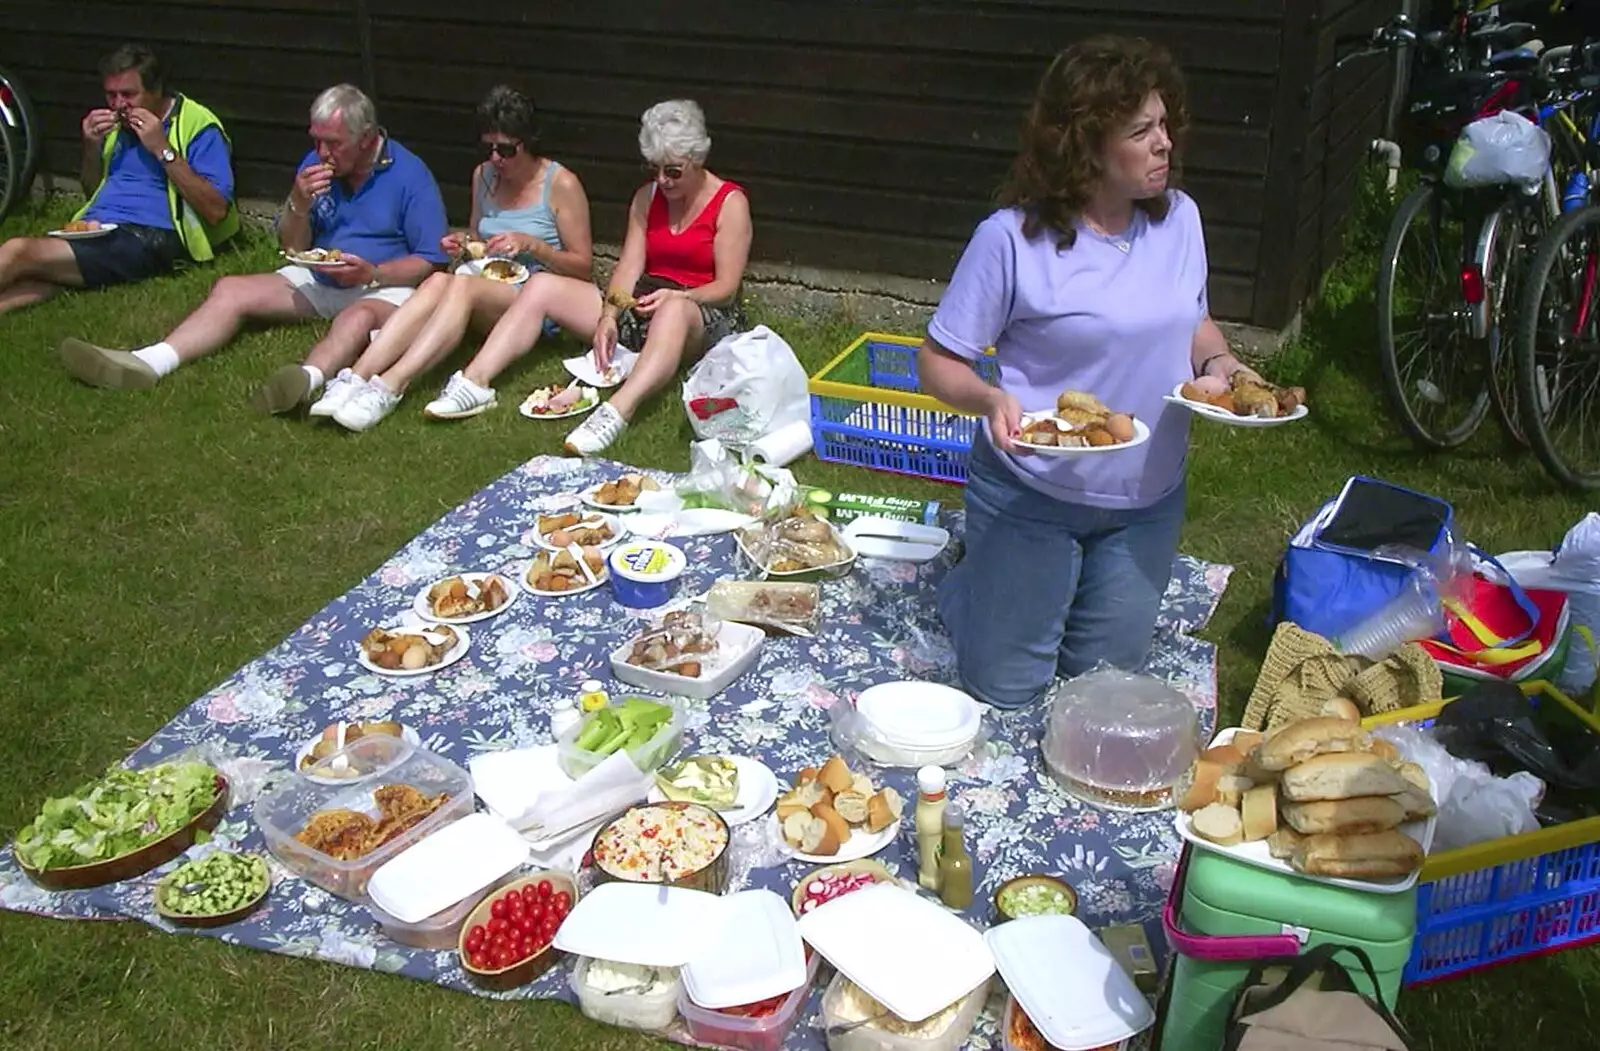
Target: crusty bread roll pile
(1327, 797)
(827, 804)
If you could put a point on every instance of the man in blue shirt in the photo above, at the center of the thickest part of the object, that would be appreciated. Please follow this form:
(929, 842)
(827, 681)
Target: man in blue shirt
(158, 171)
(361, 225)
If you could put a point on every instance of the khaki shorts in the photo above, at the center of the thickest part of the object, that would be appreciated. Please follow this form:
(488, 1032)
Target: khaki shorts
(329, 300)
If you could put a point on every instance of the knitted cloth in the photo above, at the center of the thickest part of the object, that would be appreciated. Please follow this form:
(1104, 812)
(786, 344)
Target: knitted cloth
(1302, 672)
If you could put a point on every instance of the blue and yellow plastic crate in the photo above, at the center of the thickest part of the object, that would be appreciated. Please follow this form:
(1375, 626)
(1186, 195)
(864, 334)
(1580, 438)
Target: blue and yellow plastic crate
(1508, 898)
(868, 410)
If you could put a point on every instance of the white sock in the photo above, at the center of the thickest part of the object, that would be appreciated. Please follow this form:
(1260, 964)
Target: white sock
(160, 357)
(316, 377)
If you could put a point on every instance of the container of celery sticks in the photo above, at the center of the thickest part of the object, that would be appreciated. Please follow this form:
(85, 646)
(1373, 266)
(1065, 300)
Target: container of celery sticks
(648, 729)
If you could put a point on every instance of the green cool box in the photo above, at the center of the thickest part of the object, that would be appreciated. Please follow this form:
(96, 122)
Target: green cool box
(1223, 897)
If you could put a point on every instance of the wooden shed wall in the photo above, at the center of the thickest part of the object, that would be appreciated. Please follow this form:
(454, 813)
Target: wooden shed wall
(870, 133)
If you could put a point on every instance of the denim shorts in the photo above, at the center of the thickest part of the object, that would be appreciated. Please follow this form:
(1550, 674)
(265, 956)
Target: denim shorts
(1047, 588)
(127, 254)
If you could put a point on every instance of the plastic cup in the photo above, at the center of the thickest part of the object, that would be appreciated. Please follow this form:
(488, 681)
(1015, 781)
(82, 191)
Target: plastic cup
(1414, 614)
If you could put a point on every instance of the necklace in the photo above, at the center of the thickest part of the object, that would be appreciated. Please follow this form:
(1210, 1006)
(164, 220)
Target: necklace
(1118, 241)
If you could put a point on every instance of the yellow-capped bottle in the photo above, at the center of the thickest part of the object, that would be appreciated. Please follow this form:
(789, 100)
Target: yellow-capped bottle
(592, 696)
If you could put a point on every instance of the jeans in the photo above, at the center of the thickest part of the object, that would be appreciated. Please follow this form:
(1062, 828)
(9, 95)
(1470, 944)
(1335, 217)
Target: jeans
(1048, 588)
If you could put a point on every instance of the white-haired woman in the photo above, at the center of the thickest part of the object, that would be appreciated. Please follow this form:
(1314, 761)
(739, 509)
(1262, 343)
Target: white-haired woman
(674, 292)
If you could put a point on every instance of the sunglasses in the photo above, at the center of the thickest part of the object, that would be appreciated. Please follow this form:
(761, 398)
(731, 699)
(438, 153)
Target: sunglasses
(504, 150)
(671, 171)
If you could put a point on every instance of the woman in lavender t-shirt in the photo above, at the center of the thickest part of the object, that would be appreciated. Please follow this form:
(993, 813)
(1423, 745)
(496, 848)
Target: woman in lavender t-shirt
(1092, 277)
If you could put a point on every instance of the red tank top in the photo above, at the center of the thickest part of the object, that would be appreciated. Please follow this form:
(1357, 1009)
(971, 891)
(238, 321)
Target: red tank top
(686, 257)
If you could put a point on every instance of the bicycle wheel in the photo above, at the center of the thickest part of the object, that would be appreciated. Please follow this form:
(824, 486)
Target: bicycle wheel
(10, 168)
(1517, 230)
(1558, 350)
(1434, 372)
(16, 109)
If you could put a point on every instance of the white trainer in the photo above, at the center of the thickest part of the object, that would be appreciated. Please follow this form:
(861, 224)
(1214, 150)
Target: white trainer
(339, 390)
(459, 399)
(367, 406)
(602, 427)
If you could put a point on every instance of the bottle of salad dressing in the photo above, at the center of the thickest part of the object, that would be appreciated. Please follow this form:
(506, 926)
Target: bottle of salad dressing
(955, 865)
(929, 822)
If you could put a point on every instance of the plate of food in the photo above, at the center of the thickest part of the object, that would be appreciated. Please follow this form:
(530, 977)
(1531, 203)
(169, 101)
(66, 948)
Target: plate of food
(558, 402)
(619, 494)
(316, 258)
(835, 814)
(506, 271)
(559, 532)
(465, 598)
(1241, 402)
(83, 230)
(1321, 799)
(570, 571)
(334, 737)
(404, 652)
(587, 371)
(735, 786)
(1080, 425)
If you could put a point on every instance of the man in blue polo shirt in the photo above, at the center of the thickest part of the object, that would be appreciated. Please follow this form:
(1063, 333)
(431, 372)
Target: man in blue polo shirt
(159, 174)
(364, 217)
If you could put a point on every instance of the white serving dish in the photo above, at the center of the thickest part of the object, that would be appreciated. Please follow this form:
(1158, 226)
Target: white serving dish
(919, 715)
(1141, 434)
(905, 951)
(861, 844)
(422, 608)
(1257, 854)
(1212, 412)
(873, 536)
(439, 871)
(758, 954)
(1074, 991)
(875, 1038)
(83, 235)
(758, 790)
(737, 646)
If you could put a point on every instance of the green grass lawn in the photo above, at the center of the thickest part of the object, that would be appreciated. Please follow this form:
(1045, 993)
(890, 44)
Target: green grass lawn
(153, 542)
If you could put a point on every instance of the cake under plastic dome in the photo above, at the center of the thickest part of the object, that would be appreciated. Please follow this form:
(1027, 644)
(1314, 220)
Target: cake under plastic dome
(1119, 740)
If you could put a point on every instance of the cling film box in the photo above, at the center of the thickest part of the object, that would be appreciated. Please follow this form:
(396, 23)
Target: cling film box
(842, 507)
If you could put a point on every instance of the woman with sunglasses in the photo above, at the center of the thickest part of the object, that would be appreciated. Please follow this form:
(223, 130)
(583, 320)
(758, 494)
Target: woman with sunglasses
(674, 292)
(526, 207)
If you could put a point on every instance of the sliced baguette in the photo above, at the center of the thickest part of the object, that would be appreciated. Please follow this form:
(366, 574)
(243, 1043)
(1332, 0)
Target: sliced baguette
(884, 809)
(1246, 740)
(1282, 843)
(1231, 789)
(820, 839)
(795, 827)
(1199, 786)
(1260, 813)
(835, 775)
(835, 821)
(863, 784)
(1227, 756)
(1218, 823)
(790, 804)
(852, 806)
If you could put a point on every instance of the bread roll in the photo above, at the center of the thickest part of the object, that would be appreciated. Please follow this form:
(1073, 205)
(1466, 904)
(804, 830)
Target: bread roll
(1282, 843)
(1231, 789)
(1298, 741)
(852, 806)
(1254, 770)
(1385, 750)
(790, 804)
(1343, 816)
(883, 810)
(835, 821)
(1341, 708)
(1245, 740)
(820, 838)
(1343, 775)
(1220, 824)
(795, 827)
(835, 775)
(1378, 855)
(1228, 756)
(1260, 813)
(1199, 786)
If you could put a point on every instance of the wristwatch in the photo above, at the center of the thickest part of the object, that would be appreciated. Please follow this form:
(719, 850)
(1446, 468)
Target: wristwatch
(169, 155)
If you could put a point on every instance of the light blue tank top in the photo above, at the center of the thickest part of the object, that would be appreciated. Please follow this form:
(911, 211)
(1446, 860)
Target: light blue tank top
(536, 219)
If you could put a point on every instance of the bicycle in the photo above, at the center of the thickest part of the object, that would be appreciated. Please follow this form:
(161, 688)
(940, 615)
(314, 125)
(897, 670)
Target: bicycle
(21, 142)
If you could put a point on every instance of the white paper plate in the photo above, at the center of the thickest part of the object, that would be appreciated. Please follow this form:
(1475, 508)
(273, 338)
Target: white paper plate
(522, 581)
(906, 951)
(1141, 434)
(446, 867)
(649, 925)
(1212, 412)
(474, 268)
(760, 954)
(407, 734)
(420, 606)
(522, 407)
(1257, 854)
(453, 654)
(1072, 988)
(314, 264)
(861, 844)
(83, 235)
(618, 533)
(758, 790)
(584, 370)
(587, 498)
(919, 715)
(697, 521)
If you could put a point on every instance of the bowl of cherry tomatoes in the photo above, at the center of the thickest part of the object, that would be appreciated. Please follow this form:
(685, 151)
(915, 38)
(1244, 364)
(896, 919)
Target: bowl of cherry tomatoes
(506, 940)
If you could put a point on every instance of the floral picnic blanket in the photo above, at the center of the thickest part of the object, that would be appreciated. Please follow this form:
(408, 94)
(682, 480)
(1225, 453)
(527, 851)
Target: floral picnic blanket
(879, 624)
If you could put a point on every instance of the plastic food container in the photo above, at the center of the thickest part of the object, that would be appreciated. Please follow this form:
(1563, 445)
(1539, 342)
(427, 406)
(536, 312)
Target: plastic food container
(285, 811)
(439, 931)
(644, 573)
(648, 757)
(656, 1009)
(1011, 1045)
(763, 1033)
(767, 603)
(940, 1035)
(1120, 741)
(737, 646)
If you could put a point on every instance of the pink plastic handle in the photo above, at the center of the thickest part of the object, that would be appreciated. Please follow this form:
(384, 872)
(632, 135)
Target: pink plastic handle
(1233, 948)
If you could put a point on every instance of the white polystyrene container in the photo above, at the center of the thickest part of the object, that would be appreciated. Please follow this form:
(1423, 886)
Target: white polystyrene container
(737, 646)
